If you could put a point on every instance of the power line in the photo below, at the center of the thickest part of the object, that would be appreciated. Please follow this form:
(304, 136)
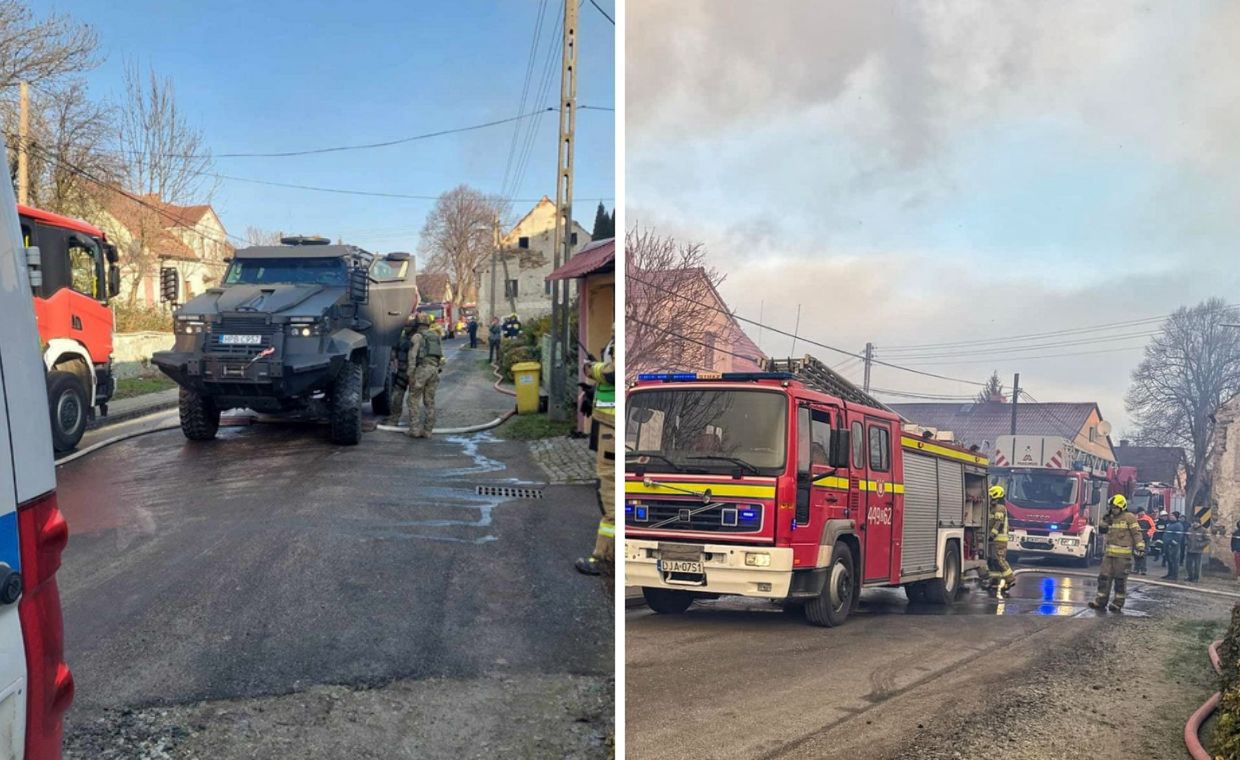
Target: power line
(136, 199)
(525, 88)
(1032, 358)
(1069, 429)
(1027, 336)
(733, 315)
(600, 10)
(945, 354)
(674, 334)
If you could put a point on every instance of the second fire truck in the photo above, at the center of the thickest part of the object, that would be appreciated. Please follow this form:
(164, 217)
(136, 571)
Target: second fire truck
(792, 485)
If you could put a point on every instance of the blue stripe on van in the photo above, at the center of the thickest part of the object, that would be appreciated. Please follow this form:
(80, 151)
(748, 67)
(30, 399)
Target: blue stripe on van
(10, 552)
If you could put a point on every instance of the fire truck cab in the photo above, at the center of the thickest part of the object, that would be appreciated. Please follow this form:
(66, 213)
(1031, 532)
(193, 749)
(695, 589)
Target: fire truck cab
(73, 273)
(1056, 495)
(795, 486)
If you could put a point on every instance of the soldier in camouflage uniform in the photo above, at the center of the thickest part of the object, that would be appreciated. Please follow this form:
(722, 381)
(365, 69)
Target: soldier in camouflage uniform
(1001, 576)
(401, 381)
(1124, 540)
(425, 364)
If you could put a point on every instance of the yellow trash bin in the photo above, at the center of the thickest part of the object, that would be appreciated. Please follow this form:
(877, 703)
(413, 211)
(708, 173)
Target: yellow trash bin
(526, 375)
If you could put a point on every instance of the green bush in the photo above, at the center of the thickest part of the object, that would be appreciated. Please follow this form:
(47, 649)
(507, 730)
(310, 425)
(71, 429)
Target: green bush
(515, 351)
(140, 318)
(1227, 729)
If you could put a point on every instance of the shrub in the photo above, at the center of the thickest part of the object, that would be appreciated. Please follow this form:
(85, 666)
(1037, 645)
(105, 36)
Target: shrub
(515, 351)
(140, 318)
(1227, 729)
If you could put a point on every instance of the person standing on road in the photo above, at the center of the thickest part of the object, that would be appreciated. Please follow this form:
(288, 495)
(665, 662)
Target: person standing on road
(603, 440)
(1124, 539)
(1173, 545)
(400, 382)
(1147, 526)
(1001, 576)
(425, 364)
(493, 339)
(472, 327)
(1235, 549)
(1160, 534)
(1196, 543)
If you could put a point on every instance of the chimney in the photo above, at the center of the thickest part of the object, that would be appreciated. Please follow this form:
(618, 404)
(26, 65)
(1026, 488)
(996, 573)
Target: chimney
(1123, 443)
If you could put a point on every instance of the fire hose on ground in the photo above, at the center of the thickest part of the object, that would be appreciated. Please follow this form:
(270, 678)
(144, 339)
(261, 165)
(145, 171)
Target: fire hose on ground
(1192, 729)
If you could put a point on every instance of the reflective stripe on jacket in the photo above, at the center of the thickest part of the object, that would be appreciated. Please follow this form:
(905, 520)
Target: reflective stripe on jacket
(998, 522)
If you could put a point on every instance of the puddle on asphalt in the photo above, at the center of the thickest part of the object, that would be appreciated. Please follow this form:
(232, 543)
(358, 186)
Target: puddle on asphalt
(1048, 595)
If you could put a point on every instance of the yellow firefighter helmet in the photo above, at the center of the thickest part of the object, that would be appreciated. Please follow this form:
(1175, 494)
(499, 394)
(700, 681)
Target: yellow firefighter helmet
(996, 492)
(1119, 502)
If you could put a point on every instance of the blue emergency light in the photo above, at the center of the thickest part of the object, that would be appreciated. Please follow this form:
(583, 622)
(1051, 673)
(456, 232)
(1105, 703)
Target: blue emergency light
(681, 377)
(749, 514)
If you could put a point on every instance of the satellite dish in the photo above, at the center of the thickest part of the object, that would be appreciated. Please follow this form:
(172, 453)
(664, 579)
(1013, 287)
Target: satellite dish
(1104, 427)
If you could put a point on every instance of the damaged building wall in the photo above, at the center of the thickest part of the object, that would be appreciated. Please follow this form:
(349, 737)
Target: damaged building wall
(1225, 464)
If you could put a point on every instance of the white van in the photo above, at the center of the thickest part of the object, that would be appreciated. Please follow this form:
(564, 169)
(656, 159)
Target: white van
(36, 686)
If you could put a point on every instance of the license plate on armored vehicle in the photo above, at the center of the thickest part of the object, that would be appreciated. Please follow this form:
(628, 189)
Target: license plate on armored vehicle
(241, 340)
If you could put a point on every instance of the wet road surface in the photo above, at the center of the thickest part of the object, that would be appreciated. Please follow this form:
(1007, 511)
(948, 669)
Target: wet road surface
(742, 678)
(269, 560)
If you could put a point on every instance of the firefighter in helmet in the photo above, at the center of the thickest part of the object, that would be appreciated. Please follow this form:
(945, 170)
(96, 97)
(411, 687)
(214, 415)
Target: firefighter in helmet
(602, 373)
(1001, 576)
(1125, 539)
(400, 381)
(425, 364)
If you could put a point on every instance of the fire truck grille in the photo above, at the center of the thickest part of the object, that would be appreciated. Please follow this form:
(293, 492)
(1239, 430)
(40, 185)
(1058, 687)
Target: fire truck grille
(693, 515)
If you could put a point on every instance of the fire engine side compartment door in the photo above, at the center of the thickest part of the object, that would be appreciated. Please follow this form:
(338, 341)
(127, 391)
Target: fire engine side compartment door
(880, 497)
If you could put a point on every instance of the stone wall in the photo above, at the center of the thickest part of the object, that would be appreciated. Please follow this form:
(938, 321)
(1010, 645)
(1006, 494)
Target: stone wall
(131, 352)
(1225, 467)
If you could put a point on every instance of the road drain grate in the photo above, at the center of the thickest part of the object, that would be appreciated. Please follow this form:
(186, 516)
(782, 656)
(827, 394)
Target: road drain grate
(509, 492)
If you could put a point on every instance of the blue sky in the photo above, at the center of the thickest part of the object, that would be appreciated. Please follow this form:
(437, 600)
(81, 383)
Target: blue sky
(914, 173)
(287, 75)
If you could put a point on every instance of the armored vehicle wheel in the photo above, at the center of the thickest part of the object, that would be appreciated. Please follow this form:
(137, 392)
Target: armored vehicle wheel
(667, 601)
(345, 405)
(381, 404)
(200, 417)
(66, 400)
(831, 607)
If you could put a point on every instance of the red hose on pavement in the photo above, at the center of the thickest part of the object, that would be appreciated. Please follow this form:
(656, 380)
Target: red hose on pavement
(500, 379)
(1193, 727)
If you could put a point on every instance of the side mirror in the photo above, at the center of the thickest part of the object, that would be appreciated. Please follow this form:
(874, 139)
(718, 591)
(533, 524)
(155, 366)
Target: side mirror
(169, 285)
(841, 447)
(109, 252)
(34, 265)
(114, 281)
(359, 285)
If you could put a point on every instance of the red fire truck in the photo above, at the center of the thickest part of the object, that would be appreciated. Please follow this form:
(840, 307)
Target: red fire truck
(73, 273)
(1056, 495)
(792, 485)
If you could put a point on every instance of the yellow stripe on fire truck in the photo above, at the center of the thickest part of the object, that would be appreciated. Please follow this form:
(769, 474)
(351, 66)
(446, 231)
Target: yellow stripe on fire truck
(930, 447)
(673, 487)
(877, 486)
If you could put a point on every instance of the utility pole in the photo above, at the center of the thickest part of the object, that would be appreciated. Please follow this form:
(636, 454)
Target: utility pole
(1015, 399)
(494, 262)
(23, 139)
(560, 321)
(869, 358)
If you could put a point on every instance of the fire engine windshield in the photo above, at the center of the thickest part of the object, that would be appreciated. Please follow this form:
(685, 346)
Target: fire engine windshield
(310, 271)
(1140, 501)
(1041, 490)
(694, 430)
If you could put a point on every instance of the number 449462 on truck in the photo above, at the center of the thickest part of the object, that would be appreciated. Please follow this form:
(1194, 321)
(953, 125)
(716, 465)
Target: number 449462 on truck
(792, 485)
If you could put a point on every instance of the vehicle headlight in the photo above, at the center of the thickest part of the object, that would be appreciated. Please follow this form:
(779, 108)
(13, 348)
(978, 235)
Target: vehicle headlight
(305, 327)
(189, 326)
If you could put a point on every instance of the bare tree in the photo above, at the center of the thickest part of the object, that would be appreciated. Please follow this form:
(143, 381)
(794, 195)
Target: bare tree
(70, 167)
(673, 317)
(992, 392)
(166, 161)
(41, 52)
(458, 237)
(259, 236)
(1188, 371)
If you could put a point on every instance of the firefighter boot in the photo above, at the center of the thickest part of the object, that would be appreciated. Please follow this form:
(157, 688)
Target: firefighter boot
(1104, 592)
(1117, 604)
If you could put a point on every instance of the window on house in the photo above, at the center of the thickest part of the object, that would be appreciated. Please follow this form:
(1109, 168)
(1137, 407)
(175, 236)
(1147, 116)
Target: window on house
(547, 287)
(523, 241)
(510, 288)
(710, 351)
(1093, 434)
(574, 236)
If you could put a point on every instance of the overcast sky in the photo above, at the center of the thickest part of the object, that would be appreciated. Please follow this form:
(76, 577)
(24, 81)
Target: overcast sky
(927, 173)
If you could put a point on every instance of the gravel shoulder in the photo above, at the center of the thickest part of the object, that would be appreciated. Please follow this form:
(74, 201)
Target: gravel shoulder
(521, 716)
(1122, 689)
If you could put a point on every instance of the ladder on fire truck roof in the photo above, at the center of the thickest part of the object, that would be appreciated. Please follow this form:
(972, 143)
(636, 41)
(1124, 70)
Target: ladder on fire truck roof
(819, 376)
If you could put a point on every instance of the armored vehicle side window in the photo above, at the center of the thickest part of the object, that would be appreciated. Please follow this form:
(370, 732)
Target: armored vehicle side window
(287, 271)
(387, 271)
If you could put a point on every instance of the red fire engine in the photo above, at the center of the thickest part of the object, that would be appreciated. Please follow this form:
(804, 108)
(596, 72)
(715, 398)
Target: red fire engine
(73, 273)
(792, 485)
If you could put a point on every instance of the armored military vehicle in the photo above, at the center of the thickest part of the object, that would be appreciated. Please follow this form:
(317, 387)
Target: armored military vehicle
(303, 327)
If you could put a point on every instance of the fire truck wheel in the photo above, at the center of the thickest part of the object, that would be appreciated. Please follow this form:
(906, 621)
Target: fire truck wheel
(200, 417)
(831, 607)
(1090, 551)
(666, 601)
(66, 399)
(945, 590)
(915, 592)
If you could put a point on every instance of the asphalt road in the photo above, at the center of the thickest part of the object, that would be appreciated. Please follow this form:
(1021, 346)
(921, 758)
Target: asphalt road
(269, 561)
(741, 678)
